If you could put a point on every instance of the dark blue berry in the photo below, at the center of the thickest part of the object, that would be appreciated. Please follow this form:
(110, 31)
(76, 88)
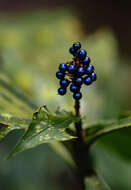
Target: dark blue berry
(61, 91)
(60, 75)
(77, 95)
(79, 81)
(74, 88)
(82, 54)
(63, 67)
(93, 76)
(64, 83)
(86, 61)
(89, 69)
(87, 80)
(75, 71)
(80, 71)
(77, 46)
(71, 69)
(72, 51)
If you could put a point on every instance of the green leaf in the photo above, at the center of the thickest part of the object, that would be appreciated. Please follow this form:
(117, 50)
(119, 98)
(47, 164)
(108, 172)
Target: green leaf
(118, 143)
(45, 127)
(93, 132)
(9, 123)
(96, 182)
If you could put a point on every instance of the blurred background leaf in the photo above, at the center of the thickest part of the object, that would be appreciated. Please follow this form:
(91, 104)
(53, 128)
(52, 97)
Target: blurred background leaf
(96, 182)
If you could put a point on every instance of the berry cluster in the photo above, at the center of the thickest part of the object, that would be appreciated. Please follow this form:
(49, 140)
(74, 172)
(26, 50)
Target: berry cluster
(79, 71)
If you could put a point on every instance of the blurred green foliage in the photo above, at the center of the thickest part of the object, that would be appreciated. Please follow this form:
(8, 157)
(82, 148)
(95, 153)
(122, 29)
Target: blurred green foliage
(31, 47)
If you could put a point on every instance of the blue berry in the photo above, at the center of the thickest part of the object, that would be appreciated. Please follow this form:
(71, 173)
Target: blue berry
(82, 54)
(86, 61)
(61, 91)
(93, 76)
(89, 69)
(77, 46)
(72, 51)
(79, 81)
(60, 75)
(77, 95)
(87, 80)
(63, 67)
(76, 70)
(80, 71)
(74, 88)
(64, 83)
(71, 69)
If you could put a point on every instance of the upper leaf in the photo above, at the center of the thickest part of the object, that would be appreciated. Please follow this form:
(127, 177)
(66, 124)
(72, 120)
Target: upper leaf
(45, 127)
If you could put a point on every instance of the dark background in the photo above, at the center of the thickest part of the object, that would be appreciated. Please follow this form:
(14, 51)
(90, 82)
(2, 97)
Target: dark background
(93, 14)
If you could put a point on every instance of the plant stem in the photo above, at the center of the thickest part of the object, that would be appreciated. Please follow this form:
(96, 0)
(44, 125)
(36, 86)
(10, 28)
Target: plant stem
(79, 145)
(78, 125)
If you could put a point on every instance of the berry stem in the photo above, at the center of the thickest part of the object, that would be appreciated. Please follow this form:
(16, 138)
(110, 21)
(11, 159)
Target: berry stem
(78, 146)
(78, 125)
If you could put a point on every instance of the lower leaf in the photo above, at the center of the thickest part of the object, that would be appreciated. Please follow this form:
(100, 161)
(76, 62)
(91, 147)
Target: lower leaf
(93, 132)
(45, 127)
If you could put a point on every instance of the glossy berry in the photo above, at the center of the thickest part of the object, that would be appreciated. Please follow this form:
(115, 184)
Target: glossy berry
(74, 88)
(82, 54)
(87, 80)
(75, 71)
(60, 75)
(72, 51)
(79, 81)
(89, 69)
(61, 91)
(80, 71)
(71, 69)
(86, 61)
(63, 67)
(64, 83)
(77, 95)
(77, 46)
(93, 77)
